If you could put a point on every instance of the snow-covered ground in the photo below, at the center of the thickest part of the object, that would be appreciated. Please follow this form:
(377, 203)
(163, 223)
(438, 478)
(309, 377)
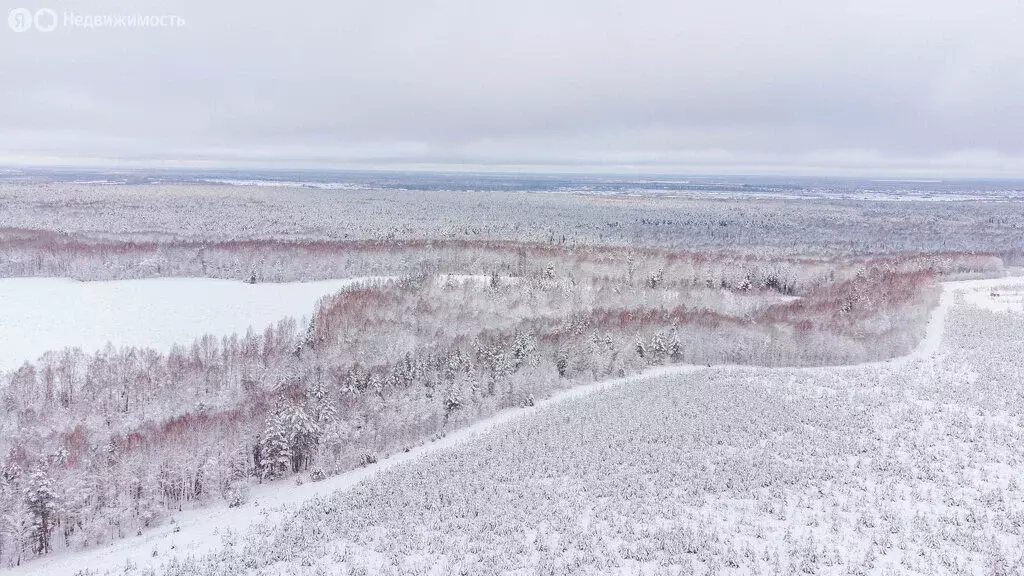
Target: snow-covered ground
(908, 391)
(42, 314)
(999, 297)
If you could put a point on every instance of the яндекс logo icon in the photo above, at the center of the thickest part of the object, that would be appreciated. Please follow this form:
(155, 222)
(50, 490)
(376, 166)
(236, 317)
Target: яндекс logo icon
(19, 19)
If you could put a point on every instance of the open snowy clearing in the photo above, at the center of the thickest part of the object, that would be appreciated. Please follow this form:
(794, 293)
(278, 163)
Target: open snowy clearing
(197, 532)
(42, 314)
(998, 297)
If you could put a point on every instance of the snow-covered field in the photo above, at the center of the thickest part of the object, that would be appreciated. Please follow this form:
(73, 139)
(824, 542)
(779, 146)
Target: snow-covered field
(907, 466)
(42, 314)
(999, 297)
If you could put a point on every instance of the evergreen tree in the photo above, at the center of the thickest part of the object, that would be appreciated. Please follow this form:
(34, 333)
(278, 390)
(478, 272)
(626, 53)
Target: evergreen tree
(289, 442)
(41, 500)
(274, 450)
(302, 434)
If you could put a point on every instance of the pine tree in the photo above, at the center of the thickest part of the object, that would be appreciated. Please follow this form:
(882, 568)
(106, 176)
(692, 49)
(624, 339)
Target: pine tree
(522, 348)
(641, 350)
(659, 348)
(320, 404)
(289, 442)
(308, 340)
(675, 349)
(41, 499)
(274, 450)
(302, 434)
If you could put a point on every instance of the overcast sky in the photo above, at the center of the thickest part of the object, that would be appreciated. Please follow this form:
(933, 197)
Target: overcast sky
(743, 86)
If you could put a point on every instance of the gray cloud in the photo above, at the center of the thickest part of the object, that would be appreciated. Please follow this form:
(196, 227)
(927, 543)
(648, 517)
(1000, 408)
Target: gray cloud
(736, 85)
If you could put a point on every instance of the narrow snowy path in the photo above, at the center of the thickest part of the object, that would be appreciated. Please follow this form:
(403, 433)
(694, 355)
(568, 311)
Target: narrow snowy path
(199, 531)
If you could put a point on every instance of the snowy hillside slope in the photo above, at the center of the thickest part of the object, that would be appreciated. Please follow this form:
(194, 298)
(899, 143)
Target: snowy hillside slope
(907, 463)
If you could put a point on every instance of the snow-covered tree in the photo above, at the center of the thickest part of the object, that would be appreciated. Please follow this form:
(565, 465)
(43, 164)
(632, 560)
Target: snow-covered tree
(43, 509)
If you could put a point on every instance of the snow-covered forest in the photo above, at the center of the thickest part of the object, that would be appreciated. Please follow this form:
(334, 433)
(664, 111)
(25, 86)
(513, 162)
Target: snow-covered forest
(522, 288)
(907, 467)
(483, 302)
(101, 232)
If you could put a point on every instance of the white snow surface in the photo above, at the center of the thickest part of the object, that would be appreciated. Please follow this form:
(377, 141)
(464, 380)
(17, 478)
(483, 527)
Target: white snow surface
(202, 531)
(42, 314)
(999, 297)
